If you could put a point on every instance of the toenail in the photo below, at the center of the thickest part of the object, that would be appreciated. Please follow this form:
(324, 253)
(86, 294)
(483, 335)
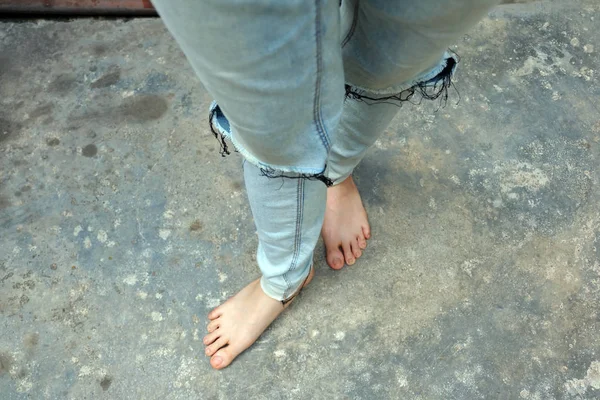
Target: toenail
(207, 350)
(217, 361)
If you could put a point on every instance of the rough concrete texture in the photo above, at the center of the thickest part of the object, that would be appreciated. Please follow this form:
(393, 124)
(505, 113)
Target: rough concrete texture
(121, 226)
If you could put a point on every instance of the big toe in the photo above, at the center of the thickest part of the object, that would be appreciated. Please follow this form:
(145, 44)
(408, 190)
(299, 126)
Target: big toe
(221, 358)
(335, 259)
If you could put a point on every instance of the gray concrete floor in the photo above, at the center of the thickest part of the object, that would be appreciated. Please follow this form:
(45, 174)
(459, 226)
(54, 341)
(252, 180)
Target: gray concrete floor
(121, 226)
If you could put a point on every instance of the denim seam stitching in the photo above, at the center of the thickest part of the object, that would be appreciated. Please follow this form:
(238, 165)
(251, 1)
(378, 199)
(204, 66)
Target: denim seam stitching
(353, 26)
(317, 96)
(300, 219)
(297, 233)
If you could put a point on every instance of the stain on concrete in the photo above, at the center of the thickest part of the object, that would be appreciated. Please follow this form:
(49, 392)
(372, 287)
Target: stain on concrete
(4, 202)
(31, 340)
(4, 66)
(24, 189)
(100, 49)
(6, 362)
(144, 108)
(53, 142)
(41, 111)
(90, 150)
(195, 226)
(105, 383)
(63, 84)
(24, 299)
(7, 276)
(8, 70)
(8, 129)
(107, 79)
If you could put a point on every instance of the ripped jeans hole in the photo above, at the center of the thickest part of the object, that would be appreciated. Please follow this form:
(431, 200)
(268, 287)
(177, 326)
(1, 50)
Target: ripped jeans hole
(272, 173)
(214, 115)
(432, 89)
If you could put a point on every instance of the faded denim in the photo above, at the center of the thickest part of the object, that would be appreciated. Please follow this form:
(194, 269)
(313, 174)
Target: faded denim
(296, 84)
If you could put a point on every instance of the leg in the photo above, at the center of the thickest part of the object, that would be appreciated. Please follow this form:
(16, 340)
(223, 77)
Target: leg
(391, 50)
(285, 257)
(275, 70)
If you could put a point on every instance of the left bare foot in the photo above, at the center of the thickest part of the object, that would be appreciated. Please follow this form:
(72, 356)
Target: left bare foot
(236, 324)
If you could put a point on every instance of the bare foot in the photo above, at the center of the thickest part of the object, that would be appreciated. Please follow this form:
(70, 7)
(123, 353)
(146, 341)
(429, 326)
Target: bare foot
(236, 324)
(346, 227)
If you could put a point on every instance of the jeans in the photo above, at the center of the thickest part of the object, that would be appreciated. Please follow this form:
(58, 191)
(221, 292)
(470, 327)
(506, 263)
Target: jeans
(303, 88)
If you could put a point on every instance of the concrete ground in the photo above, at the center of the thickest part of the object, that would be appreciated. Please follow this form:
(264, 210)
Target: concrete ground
(121, 226)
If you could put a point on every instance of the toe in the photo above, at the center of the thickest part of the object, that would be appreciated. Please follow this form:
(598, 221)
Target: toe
(348, 254)
(356, 249)
(222, 358)
(335, 259)
(212, 325)
(211, 337)
(367, 232)
(216, 313)
(362, 243)
(213, 348)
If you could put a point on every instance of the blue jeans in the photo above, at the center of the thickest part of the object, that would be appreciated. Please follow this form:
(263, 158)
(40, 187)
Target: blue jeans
(299, 86)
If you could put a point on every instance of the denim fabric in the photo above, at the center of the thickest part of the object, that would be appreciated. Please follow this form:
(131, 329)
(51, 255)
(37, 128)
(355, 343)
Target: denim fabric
(275, 69)
(288, 228)
(279, 72)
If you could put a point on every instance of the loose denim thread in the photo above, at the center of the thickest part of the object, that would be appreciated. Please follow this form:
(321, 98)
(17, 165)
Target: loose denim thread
(224, 151)
(436, 90)
(445, 77)
(265, 171)
(272, 173)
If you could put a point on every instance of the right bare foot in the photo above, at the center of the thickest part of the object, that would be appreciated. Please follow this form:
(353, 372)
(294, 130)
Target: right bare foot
(236, 324)
(346, 227)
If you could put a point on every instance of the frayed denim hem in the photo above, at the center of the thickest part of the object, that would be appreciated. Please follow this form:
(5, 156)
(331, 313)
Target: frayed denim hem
(431, 85)
(219, 126)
